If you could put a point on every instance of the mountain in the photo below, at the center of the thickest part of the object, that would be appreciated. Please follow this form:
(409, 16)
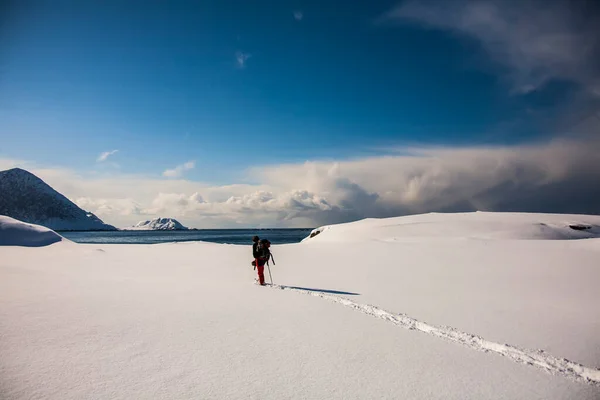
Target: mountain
(27, 198)
(159, 224)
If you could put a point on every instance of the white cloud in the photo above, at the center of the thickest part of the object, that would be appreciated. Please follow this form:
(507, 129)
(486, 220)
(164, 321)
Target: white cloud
(177, 203)
(558, 176)
(536, 41)
(104, 156)
(241, 58)
(298, 15)
(108, 207)
(179, 170)
(527, 178)
(8, 163)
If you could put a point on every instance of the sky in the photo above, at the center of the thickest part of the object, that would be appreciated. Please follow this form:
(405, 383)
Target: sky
(303, 113)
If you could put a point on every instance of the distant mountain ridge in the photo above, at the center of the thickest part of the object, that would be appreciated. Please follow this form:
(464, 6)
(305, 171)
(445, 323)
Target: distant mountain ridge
(27, 198)
(159, 224)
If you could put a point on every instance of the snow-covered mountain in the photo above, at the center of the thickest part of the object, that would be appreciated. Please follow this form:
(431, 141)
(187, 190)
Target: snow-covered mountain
(27, 198)
(159, 224)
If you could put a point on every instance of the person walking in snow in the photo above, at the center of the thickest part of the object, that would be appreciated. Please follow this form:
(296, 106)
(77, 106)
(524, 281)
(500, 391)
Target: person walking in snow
(256, 254)
(261, 257)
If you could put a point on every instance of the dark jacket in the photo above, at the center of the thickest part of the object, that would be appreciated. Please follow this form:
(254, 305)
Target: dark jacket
(255, 250)
(262, 255)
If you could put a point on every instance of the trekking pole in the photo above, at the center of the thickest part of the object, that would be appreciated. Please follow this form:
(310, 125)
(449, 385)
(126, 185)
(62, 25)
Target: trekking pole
(270, 276)
(269, 268)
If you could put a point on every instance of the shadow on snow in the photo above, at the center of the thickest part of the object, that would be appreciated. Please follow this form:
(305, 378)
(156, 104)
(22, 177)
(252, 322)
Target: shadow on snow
(320, 290)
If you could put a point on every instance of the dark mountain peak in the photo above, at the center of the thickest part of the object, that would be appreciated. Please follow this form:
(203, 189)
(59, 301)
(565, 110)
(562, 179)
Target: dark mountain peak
(26, 197)
(18, 172)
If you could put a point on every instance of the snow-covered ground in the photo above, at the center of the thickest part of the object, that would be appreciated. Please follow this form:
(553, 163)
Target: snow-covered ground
(437, 306)
(18, 233)
(157, 224)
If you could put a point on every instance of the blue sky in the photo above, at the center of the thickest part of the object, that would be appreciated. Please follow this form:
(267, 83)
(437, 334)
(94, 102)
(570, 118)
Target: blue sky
(231, 85)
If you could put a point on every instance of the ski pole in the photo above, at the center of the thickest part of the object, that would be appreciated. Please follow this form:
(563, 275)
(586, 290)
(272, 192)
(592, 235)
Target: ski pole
(270, 276)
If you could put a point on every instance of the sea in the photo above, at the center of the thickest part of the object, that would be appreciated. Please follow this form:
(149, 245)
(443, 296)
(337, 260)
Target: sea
(229, 236)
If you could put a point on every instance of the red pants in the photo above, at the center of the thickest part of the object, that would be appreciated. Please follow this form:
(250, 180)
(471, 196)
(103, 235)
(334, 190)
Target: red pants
(261, 275)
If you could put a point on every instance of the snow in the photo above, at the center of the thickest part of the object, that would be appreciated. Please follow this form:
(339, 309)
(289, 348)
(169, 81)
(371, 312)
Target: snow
(481, 307)
(27, 198)
(158, 224)
(475, 225)
(17, 233)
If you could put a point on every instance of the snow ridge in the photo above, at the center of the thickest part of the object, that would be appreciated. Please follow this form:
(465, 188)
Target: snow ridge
(17, 233)
(470, 225)
(536, 358)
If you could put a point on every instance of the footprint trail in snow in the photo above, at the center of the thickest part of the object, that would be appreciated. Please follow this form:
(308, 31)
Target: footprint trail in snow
(539, 359)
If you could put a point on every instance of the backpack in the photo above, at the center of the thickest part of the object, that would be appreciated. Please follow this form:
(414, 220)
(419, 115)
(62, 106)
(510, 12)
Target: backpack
(264, 244)
(262, 247)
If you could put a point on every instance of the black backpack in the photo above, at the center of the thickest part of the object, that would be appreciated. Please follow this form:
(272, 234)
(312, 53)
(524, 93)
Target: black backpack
(263, 247)
(264, 244)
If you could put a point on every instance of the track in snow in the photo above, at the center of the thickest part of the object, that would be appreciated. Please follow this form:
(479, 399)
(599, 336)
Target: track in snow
(539, 359)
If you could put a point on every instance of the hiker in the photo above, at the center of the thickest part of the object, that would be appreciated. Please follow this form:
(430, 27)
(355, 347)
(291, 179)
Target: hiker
(261, 257)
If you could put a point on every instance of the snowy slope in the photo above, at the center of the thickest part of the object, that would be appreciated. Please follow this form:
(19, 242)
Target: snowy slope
(27, 198)
(158, 224)
(373, 309)
(474, 225)
(17, 233)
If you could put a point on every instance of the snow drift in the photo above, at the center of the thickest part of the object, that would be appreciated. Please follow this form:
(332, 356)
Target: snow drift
(17, 233)
(158, 224)
(475, 225)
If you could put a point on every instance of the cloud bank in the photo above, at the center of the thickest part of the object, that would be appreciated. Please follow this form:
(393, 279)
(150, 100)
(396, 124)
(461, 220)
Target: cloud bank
(558, 176)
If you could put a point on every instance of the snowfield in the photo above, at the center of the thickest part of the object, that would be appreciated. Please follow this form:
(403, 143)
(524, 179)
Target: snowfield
(435, 306)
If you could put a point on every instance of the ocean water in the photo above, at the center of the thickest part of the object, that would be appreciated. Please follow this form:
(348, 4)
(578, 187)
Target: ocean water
(230, 236)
